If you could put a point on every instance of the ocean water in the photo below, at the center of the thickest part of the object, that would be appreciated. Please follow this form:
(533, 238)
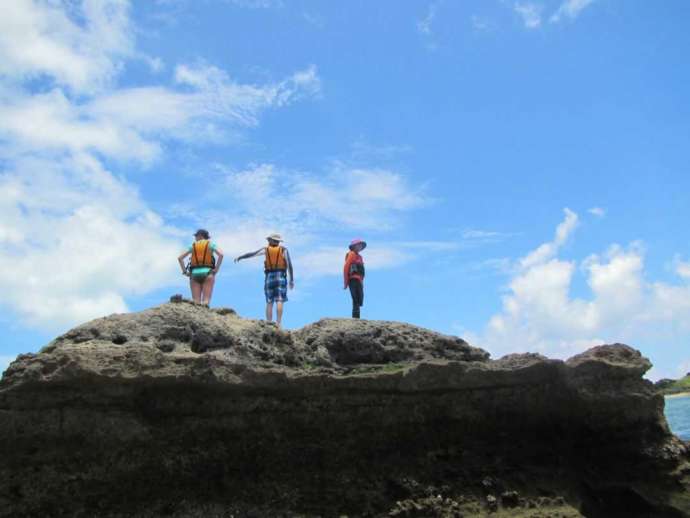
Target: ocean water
(678, 415)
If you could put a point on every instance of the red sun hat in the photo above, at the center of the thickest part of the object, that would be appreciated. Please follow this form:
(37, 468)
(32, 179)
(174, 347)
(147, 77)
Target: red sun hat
(358, 242)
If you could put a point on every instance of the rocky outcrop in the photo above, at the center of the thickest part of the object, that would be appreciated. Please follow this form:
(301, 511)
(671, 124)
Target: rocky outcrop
(182, 410)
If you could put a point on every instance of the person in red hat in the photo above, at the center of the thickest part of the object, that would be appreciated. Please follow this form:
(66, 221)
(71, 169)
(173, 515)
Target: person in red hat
(353, 273)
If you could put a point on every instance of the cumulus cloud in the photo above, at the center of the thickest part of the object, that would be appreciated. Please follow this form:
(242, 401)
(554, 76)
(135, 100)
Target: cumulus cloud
(82, 240)
(570, 9)
(549, 250)
(530, 13)
(682, 268)
(44, 39)
(539, 312)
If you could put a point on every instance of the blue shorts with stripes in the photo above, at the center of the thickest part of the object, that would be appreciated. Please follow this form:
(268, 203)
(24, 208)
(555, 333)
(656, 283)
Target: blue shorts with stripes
(275, 286)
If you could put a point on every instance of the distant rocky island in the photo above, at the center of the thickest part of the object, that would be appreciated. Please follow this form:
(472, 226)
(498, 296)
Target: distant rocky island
(185, 411)
(669, 387)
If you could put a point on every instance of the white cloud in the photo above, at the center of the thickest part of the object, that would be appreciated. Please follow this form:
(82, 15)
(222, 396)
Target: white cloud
(570, 9)
(540, 314)
(682, 268)
(83, 241)
(44, 39)
(346, 197)
(51, 122)
(130, 123)
(549, 250)
(597, 211)
(530, 13)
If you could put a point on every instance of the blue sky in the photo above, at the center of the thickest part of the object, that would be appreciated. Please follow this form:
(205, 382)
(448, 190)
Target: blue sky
(518, 168)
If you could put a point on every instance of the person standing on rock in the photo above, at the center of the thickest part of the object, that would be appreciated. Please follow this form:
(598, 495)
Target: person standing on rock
(353, 273)
(277, 265)
(202, 267)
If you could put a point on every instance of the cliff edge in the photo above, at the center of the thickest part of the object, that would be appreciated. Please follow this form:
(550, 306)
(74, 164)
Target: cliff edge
(181, 410)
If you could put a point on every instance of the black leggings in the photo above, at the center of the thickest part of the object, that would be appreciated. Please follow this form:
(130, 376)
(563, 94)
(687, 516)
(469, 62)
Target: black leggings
(357, 292)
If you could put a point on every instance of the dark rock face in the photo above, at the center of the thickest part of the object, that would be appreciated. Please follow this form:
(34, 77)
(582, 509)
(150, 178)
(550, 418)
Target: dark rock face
(183, 410)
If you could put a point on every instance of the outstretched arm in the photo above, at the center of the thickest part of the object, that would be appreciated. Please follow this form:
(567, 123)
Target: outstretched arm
(219, 254)
(181, 261)
(260, 251)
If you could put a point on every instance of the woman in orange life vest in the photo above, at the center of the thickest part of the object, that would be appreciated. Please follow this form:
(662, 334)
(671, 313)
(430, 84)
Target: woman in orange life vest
(203, 267)
(276, 266)
(353, 273)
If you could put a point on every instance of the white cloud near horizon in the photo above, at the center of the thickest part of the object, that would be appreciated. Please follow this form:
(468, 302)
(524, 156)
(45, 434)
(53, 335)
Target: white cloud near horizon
(570, 9)
(81, 239)
(539, 313)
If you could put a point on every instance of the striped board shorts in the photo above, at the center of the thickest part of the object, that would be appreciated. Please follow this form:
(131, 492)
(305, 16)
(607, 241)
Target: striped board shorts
(275, 286)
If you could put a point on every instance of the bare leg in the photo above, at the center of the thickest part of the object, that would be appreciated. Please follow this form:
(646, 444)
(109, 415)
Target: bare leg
(279, 312)
(196, 290)
(207, 289)
(269, 311)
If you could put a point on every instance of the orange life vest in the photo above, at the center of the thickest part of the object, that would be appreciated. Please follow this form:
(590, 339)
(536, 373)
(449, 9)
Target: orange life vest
(202, 255)
(275, 259)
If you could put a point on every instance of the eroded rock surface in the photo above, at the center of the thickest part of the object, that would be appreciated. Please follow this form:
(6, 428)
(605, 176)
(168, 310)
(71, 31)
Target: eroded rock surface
(182, 410)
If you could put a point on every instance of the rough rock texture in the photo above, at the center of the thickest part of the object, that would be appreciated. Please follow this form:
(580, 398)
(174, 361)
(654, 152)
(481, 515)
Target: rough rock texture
(182, 410)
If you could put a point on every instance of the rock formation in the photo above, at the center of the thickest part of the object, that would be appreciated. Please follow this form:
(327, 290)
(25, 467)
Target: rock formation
(182, 410)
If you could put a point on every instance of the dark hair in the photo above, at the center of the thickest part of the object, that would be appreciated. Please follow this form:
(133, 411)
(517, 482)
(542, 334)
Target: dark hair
(203, 233)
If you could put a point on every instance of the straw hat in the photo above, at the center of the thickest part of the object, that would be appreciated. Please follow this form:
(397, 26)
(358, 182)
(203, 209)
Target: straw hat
(275, 237)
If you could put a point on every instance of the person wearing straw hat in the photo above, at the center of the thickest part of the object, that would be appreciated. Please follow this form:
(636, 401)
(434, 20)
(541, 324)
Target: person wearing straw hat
(353, 273)
(202, 267)
(277, 265)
